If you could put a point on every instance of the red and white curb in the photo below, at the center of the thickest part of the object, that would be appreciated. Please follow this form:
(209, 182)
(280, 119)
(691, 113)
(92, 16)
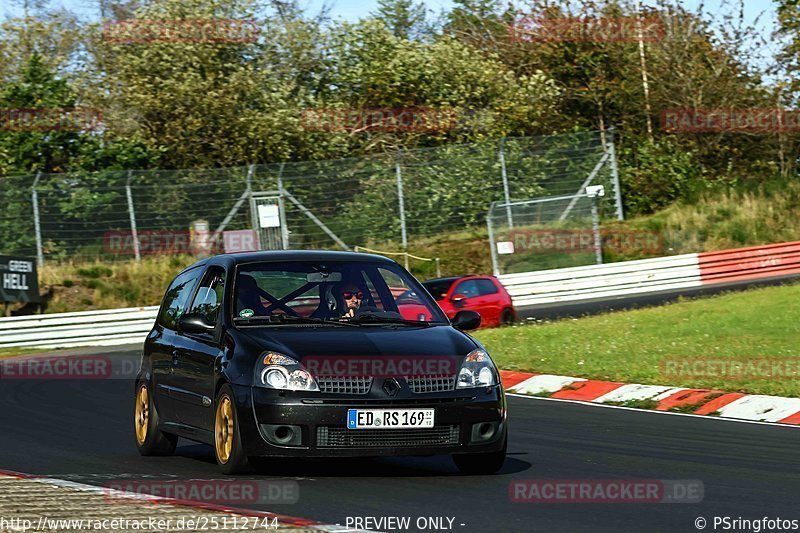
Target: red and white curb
(733, 405)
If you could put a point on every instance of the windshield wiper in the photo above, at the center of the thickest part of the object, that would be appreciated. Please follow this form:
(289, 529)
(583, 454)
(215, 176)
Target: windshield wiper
(374, 319)
(284, 319)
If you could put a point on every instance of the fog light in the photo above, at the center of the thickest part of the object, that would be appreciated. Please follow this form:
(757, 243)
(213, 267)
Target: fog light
(484, 432)
(283, 434)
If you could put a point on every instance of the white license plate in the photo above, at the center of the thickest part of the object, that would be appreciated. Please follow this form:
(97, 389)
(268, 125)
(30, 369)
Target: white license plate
(389, 418)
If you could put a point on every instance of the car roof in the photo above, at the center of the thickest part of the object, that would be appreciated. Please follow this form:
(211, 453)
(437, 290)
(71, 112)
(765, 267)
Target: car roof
(277, 256)
(451, 279)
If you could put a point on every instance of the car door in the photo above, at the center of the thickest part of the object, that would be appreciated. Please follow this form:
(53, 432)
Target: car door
(198, 353)
(161, 344)
(480, 296)
(489, 301)
(464, 296)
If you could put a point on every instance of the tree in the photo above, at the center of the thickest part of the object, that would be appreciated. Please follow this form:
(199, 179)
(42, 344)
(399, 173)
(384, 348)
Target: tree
(404, 18)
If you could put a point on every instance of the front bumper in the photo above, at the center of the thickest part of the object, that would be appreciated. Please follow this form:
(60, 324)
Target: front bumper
(320, 421)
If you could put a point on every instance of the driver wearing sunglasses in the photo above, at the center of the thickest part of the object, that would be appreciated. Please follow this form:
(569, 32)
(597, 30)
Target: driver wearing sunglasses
(352, 296)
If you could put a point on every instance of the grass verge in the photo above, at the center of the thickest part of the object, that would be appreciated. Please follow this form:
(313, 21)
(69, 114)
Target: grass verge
(637, 346)
(14, 352)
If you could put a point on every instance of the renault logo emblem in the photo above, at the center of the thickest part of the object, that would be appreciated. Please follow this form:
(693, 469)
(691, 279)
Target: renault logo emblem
(391, 387)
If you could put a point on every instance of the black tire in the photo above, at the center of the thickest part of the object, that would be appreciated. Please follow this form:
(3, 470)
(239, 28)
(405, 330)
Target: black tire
(481, 463)
(507, 317)
(228, 441)
(150, 440)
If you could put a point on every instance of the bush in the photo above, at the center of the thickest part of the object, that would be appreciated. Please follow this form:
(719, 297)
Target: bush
(655, 175)
(95, 272)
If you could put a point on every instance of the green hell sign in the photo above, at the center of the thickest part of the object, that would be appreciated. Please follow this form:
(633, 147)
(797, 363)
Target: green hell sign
(18, 280)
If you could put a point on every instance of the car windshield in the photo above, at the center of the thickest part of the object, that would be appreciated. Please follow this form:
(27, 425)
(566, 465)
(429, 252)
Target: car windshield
(439, 287)
(364, 293)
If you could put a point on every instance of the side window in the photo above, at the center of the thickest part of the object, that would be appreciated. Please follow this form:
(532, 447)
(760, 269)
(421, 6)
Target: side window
(209, 296)
(177, 298)
(485, 286)
(468, 288)
(401, 292)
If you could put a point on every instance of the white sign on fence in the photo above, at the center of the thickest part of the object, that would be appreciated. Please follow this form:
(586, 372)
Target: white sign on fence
(505, 247)
(269, 216)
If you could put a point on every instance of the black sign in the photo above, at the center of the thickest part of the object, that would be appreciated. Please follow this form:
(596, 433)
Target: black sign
(18, 280)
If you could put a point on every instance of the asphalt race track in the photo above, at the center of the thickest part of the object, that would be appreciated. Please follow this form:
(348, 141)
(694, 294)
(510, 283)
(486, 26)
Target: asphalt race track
(82, 431)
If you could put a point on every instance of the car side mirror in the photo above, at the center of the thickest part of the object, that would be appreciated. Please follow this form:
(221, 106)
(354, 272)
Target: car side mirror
(458, 300)
(194, 323)
(467, 320)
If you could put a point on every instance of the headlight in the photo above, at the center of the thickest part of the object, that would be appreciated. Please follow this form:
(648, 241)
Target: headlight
(277, 371)
(477, 371)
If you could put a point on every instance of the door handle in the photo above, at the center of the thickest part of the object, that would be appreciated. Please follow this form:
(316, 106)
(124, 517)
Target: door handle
(174, 357)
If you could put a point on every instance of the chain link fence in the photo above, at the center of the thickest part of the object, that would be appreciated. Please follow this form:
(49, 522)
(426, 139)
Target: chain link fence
(386, 200)
(561, 228)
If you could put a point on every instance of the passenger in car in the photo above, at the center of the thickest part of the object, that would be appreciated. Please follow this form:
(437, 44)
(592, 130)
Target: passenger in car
(249, 295)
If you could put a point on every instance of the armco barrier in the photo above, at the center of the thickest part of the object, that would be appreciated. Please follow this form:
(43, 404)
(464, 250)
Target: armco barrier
(527, 289)
(647, 276)
(744, 264)
(598, 282)
(90, 328)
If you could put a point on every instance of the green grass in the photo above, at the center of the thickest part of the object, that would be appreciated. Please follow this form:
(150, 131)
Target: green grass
(631, 346)
(13, 352)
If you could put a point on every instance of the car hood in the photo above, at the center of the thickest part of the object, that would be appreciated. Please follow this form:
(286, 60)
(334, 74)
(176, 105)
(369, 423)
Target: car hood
(344, 341)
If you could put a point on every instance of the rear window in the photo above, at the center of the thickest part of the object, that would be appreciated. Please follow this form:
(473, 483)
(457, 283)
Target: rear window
(438, 288)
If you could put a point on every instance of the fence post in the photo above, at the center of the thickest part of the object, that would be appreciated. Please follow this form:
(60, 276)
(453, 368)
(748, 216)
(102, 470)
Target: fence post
(37, 226)
(598, 243)
(401, 202)
(492, 246)
(132, 214)
(612, 153)
(282, 210)
(504, 174)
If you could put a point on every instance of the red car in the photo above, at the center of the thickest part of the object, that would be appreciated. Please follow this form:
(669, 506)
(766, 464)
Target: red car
(484, 294)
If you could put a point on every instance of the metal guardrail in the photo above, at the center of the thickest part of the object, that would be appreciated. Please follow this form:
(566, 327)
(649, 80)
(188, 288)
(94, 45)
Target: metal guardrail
(608, 281)
(89, 328)
(528, 289)
(648, 276)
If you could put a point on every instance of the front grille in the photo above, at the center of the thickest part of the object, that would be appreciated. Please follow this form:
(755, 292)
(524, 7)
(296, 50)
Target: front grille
(441, 383)
(344, 384)
(339, 437)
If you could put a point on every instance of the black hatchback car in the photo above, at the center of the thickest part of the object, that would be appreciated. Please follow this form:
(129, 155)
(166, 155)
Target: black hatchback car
(315, 354)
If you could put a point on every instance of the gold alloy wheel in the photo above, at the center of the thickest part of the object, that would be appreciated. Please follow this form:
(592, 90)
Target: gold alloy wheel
(223, 434)
(142, 413)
